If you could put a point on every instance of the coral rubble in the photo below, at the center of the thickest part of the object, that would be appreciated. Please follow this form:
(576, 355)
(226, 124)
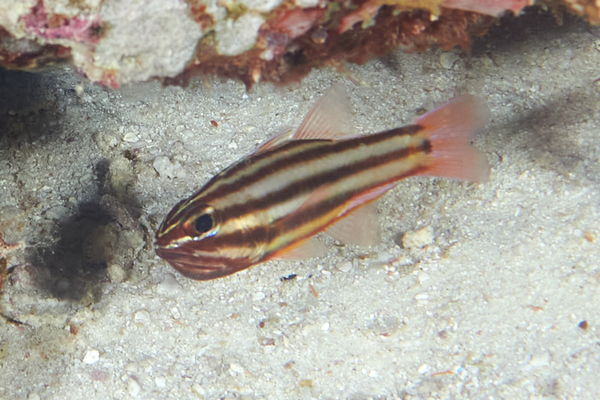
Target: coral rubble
(118, 41)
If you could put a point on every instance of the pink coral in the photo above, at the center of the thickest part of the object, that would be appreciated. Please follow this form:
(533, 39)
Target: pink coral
(296, 23)
(55, 26)
(489, 7)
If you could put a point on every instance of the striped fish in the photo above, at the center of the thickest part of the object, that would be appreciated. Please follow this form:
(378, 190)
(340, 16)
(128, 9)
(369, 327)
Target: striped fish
(270, 204)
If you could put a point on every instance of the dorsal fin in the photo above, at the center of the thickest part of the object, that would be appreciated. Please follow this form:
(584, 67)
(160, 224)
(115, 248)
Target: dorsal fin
(284, 135)
(329, 117)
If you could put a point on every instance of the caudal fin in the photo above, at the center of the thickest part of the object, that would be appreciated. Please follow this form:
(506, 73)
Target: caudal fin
(450, 129)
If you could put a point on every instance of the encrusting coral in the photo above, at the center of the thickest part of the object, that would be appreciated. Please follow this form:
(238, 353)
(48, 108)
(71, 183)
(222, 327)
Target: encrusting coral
(117, 41)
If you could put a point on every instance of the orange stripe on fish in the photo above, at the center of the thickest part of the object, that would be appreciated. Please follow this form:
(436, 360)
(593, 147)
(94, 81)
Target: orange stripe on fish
(272, 202)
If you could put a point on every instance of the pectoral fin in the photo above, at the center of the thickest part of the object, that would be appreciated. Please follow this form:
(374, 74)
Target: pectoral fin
(304, 250)
(360, 227)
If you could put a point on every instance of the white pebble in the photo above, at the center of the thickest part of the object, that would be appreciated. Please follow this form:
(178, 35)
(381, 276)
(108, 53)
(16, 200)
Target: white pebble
(116, 273)
(175, 313)
(258, 296)
(422, 296)
(169, 286)
(132, 368)
(325, 326)
(423, 369)
(133, 388)
(344, 266)
(160, 381)
(59, 212)
(540, 360)
(91, 357)
(307, 330)
(236, 368)
(142, 317)
(165, 167)
(418, 239)
(447, 59)
(422, 277)
(198, 390)
(130, 137)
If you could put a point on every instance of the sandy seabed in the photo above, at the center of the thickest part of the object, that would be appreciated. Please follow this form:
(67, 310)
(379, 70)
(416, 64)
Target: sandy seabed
(503, 303)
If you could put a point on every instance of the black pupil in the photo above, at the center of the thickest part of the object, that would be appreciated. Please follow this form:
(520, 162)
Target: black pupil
(204, 223)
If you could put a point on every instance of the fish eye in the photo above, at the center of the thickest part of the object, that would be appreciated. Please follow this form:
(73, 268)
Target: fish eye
(204, 223)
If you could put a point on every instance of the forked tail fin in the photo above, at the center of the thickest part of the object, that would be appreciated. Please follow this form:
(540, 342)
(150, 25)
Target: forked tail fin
(450, 129)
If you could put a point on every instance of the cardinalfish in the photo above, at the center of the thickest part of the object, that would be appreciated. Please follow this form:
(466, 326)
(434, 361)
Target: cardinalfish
(270, 204)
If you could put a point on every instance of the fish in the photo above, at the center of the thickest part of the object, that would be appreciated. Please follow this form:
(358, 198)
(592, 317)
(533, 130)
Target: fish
(321, 177)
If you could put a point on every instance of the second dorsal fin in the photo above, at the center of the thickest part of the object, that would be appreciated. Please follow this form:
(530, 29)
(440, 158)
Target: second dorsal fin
(329, 119)
(284, 135)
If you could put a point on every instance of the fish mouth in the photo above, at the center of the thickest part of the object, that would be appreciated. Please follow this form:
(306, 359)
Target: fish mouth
(193, 267)
(179, 259)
